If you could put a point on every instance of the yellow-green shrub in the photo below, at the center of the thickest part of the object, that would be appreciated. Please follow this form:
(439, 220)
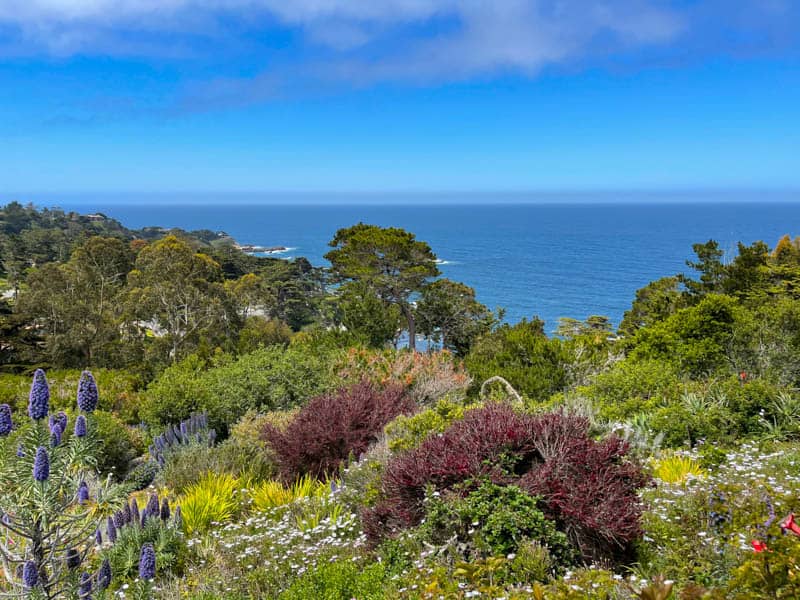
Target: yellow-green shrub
(271, 494)
(210, 500)
(675, 468)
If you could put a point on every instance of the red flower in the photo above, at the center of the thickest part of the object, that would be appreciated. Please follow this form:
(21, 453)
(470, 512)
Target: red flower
(758, 546)
(788, 524)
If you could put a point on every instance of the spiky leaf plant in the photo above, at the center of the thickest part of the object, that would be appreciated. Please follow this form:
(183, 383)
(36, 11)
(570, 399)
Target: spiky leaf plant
(51, 500)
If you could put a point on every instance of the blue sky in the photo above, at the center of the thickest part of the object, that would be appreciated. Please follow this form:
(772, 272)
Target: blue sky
(410, 95)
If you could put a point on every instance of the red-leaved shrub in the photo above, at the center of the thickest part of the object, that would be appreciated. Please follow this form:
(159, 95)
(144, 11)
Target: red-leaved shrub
(332, 427)
(587, 487)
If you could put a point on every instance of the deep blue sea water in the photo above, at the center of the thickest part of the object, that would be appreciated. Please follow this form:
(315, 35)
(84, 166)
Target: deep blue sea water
(549, 260)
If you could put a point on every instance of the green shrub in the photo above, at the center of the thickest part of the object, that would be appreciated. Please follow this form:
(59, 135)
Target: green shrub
(259, 332)
(266, 379)
(492, 520)
(168, 542)
(119, 445)
(532, 363)
(341, 580)
(142, 475)
(407, 431)
(210, 500)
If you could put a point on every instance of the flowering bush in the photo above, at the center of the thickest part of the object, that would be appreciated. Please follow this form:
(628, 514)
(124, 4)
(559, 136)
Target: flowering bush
(426, 377)
(587, 487)
(330, 428)
(704, 531)
(51, 496)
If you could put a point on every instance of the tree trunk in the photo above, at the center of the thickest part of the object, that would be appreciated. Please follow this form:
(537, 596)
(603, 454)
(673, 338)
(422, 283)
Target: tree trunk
(412, 327)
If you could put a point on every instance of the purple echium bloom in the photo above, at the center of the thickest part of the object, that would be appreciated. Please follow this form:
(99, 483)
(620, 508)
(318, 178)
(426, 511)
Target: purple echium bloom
(83, 492)
(5, 420)
(135, 517)
(30, 575)
(111, 530)
(98, 537)
(85, 586)
(80, 426)
(164, 510)
(41, 465)
(126, 513)
(152, 509)
(39, 398)
(147, 562)
(119, 519)
(55, 436)
(87, 393)
(104, 575)
(63, 420)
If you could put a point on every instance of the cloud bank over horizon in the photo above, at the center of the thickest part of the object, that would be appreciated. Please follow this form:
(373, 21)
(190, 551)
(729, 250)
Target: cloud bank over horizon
(359, 43)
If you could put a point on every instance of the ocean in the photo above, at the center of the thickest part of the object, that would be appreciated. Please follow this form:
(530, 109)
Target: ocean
(545, 260)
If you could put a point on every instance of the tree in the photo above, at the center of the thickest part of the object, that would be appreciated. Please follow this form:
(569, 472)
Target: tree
(177, 293)
(75, 304)
(390, 261)
(653, 303)
(448, 312)
(709, 265)
(366, 315)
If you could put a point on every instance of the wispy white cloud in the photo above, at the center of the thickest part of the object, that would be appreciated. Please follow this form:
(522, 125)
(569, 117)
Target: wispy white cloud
(363, 42)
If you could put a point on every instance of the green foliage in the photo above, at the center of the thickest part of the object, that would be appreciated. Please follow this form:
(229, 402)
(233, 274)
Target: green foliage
(258, 332)
(449, 313)
(676, 468)
(119, 445)
(341, 580)
(367, 316)
(492, 520)
(142, 475)
(168, 542)
(407, 431)
(631, 387)
(389, 262)
(267, 379)
(523, 355)
(654, 302)
(696, 341)
(210, 500)
(273, 494)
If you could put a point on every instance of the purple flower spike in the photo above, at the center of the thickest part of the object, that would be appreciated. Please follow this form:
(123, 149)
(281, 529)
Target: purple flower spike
(41, 465)
(164, 510)
(98, 537)
(147, 563)
(126, 514)
(111, 530)
(135, 516)
(83, 492)
(104, 575)
(119, 519)
(80, 426)
(39, 398)
(62, 419)
(87, 392)
(152, 509)
(55, 436)
(5, 420)
(30, 575)
(85, 586)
